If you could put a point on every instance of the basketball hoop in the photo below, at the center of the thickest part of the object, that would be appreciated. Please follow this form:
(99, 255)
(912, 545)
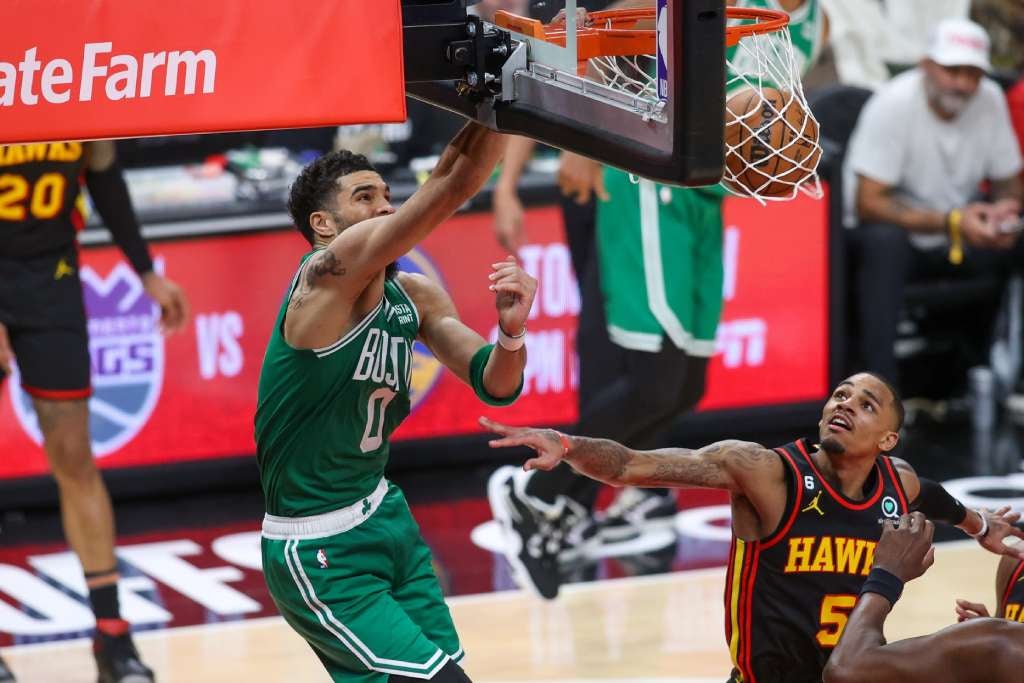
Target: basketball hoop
(771, 142)
(617, 33)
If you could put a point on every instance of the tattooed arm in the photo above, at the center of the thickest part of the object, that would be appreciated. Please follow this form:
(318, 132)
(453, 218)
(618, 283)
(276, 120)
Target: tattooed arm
(736, 466)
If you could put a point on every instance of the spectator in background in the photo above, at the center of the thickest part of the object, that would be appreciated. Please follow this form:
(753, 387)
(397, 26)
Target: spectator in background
(922, 145)
(872, 39)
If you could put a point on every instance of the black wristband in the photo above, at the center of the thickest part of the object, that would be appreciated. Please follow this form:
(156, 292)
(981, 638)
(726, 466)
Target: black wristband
(885, 583)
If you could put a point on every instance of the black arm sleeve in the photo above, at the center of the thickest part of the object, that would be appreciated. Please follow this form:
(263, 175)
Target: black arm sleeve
(937, 504)
(109, 195)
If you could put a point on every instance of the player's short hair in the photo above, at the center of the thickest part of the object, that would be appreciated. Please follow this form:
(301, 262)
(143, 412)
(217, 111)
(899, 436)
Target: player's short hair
(317, 183)
(897, 400)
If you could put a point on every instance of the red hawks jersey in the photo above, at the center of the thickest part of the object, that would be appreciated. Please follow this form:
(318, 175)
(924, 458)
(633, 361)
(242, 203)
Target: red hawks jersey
(788, 596)
(39, 187)
(1011, 602)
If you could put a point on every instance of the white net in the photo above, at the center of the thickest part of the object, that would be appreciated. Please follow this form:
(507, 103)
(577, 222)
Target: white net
(771, 137)
(631, 74)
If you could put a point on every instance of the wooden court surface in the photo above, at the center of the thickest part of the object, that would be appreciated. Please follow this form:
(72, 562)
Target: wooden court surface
(658, 629)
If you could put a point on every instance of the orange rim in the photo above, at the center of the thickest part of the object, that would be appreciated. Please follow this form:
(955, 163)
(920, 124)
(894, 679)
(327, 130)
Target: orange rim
(614, 33)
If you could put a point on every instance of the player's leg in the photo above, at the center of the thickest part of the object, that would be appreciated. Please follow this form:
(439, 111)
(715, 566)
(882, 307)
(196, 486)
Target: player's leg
(337, 593)
(580, 224)
(620, 399)
(418, 591)
(690, 237)
(53, 360)
(449, 673)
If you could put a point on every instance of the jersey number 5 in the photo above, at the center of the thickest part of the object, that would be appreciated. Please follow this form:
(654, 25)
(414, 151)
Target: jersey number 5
(835, 612)
(46, 201)
(373, 435)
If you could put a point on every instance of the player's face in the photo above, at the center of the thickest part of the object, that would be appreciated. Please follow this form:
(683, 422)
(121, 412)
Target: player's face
(361, 195)
(859, 418)
(950, 88)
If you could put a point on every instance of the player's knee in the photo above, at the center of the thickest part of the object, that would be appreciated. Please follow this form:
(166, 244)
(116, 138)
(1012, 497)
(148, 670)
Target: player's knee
(72, 463)
(66, 440)
(63, 423)
(450, 673)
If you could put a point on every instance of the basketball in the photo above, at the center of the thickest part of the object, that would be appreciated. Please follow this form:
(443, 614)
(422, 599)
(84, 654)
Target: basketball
(771, 142)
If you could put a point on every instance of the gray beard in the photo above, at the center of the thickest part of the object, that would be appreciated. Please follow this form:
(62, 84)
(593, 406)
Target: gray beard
(952, 103)
(832, 446)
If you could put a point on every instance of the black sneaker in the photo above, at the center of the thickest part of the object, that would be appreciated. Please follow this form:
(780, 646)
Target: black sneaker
(578, 532)
(5, 674)
(531, 539)
(118, 661)
(634, 510)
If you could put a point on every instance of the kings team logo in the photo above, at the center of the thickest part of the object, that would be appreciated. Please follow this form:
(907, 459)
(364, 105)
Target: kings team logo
(426, 369)
(126, 350)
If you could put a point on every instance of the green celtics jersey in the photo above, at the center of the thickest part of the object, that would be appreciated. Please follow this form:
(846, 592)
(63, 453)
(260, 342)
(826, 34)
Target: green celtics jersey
(806, 31)
(324, 416)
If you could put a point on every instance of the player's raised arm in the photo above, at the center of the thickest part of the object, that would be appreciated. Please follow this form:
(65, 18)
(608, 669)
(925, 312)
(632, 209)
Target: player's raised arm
(366, 248)
(737, 466)
(990, 528)
(979, 650)
(494, 372)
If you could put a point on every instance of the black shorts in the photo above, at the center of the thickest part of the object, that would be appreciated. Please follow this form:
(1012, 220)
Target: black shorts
(41, 306)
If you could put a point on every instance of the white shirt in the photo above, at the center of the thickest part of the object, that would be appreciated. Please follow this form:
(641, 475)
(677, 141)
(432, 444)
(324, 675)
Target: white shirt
(931, 163)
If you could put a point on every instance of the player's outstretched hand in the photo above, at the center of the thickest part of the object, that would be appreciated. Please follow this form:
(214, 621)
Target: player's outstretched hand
(6, 354)
(546, 442)
(514, 290)
(905, 549)
(171, 300)
(1002, 523)
(966, 610)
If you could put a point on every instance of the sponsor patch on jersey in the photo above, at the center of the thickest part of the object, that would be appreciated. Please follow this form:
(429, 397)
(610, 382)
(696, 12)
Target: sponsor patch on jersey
(126, 351)
(890, 508)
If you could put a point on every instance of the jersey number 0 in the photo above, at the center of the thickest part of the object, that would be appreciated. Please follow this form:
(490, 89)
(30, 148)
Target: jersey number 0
(373, 435)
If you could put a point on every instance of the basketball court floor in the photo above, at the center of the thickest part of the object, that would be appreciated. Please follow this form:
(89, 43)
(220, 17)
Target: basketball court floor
(665, 628)
(646, 611)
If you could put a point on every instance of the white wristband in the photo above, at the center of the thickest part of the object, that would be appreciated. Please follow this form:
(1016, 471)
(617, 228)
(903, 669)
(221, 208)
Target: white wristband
(510, 343)
(984, 526)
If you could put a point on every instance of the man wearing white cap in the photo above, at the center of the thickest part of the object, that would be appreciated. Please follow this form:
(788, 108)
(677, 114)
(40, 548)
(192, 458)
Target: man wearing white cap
(921, 149)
